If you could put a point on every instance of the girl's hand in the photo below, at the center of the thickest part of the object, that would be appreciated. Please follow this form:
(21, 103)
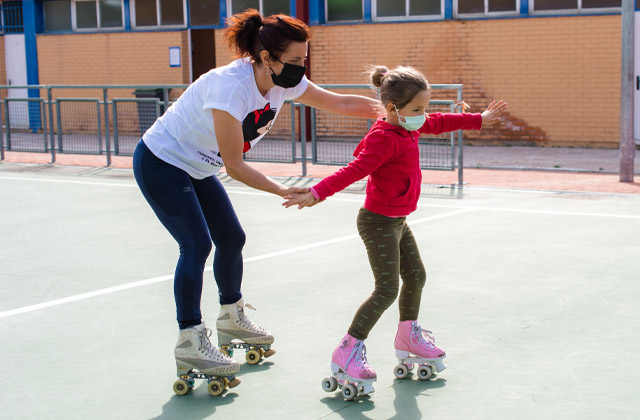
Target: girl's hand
(493, 112)
(302, 200)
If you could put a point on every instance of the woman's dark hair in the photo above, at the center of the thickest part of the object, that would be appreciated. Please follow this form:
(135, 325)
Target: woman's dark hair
(398, 86)
(249, 32)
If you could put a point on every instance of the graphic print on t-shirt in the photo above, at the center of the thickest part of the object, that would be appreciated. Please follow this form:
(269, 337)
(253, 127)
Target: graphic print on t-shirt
(257, 123)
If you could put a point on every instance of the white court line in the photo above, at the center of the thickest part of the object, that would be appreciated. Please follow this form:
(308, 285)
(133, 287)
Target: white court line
(241, 192)
(141, 283)
(67, 181)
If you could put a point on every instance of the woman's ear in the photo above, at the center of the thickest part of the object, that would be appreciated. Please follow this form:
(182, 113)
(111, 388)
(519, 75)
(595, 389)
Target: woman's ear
(265, 58)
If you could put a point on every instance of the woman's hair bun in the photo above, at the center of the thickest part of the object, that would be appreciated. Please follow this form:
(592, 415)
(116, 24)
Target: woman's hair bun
(255, 18)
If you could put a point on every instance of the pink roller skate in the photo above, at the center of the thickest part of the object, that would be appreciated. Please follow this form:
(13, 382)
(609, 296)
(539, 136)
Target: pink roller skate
(415, 345)
(350, 370)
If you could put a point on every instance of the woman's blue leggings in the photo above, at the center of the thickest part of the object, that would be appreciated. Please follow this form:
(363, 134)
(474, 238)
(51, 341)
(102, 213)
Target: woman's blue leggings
(196, 213)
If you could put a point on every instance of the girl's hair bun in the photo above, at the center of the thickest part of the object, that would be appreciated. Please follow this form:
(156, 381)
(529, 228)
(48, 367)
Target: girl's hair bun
(377, 75)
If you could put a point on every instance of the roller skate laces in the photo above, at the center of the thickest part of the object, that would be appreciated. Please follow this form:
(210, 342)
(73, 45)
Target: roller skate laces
(237, 331)
(423, 338)
(210, 351)
(244, 322)
(359, 357)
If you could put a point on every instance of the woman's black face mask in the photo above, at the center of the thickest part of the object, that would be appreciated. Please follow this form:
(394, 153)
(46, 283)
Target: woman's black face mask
(290, 75)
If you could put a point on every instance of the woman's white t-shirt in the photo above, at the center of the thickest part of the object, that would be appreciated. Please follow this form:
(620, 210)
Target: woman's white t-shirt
(185, 137)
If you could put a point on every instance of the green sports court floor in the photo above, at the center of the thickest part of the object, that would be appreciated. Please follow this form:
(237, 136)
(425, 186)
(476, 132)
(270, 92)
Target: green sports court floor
(533, 295)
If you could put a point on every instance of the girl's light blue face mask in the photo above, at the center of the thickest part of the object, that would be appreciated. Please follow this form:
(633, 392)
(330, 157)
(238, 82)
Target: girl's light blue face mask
(411, 123)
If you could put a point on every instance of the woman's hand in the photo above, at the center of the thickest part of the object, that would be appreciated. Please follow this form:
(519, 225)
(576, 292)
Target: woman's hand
(291, 191)
(493, 112)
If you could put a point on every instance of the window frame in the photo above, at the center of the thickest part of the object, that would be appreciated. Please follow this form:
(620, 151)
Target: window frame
(229, 4)
(326, 14)
(158, 26)
(406, 17)
(578, 11)
(74, 21)
(486, 12)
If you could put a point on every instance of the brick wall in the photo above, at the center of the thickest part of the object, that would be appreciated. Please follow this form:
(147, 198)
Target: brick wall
(112, 58)
(134, 58)
(560, 75)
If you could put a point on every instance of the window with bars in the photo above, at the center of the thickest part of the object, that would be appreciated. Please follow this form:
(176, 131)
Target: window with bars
(11, 17)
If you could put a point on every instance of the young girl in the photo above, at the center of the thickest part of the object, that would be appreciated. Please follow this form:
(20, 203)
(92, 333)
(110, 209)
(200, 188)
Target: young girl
(389, 155)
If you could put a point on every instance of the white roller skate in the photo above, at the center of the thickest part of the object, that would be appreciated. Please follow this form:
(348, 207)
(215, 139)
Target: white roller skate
(197, 358)
(415, 346)
(350, 369)
(237, 331)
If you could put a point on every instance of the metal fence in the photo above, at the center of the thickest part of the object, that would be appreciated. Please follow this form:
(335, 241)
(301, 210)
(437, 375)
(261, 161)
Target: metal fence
(109, 120)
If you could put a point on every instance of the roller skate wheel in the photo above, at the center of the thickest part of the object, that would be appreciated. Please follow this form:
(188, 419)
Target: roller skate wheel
(409, 366)
(424, 372)
(261, 352)
(215, 387)
(330, 384)
(253, 356)
(401, 371)
(269, 353)
(181, 387)
(234, 382)
(226, 351)
(349, 392)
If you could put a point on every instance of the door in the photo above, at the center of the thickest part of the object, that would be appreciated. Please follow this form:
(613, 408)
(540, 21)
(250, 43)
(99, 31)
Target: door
(203, 51)
(16, 65)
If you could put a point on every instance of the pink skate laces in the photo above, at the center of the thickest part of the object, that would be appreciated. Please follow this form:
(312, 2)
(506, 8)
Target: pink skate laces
(423, 337)
(359, 354)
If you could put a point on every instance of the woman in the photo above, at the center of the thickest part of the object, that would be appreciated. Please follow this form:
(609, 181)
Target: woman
(218, 118)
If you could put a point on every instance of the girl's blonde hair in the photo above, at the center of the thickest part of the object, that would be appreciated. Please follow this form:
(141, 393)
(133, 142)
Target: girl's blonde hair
(399, 85)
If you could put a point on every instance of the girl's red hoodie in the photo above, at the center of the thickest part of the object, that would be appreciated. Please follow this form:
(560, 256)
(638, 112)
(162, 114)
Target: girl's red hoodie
(389, 155)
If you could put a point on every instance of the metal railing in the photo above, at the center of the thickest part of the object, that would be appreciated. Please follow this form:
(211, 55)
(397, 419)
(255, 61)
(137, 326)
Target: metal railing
(64, 119)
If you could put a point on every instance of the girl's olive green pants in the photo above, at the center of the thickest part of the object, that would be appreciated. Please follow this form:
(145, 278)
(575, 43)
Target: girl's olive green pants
(393, 254)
